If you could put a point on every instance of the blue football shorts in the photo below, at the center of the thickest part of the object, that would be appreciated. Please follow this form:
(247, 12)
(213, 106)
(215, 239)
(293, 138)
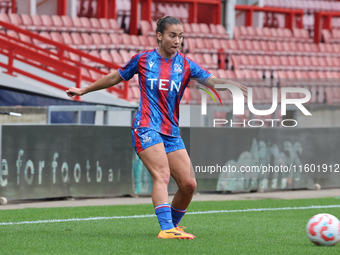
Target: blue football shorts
(144, 137)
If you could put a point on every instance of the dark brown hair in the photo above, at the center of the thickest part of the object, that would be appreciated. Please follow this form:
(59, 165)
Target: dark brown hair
(163, 23)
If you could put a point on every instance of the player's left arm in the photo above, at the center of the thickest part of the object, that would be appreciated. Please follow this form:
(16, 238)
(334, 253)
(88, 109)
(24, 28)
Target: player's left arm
(213, 80)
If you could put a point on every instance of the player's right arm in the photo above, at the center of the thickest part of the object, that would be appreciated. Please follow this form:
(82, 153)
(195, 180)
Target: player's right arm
(103, 83)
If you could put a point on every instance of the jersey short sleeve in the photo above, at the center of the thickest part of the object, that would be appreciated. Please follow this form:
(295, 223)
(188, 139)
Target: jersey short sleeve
(130, 68)
(198, 72)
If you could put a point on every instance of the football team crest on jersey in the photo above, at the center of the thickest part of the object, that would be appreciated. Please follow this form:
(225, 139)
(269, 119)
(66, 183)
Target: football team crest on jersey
(146, 138)
(178, 68)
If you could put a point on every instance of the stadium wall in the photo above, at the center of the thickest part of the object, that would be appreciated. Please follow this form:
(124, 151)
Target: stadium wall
(43, 161)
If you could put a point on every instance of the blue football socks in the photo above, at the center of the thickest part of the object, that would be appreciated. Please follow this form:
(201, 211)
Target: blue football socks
(163, 213)
(177, 215)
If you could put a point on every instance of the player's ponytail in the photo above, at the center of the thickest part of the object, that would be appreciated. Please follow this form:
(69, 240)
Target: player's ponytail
(162, 24)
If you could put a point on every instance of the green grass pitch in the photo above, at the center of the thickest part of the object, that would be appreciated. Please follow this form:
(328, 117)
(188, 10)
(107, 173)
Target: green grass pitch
(247, 232)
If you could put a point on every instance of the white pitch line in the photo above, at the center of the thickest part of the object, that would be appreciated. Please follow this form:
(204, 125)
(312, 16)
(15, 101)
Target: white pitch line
(189, 213)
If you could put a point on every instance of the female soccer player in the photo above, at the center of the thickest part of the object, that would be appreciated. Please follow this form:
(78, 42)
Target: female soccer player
(164, 74)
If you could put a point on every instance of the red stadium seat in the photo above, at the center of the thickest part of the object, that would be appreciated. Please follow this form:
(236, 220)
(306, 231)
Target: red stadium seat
(260, 63)
(96, 39)
(188, 30)
(275, 63)
(57, 37)
(210, 62)
(230, 74)
(85, 23)
(200, 60)
(114, 25)
(189, 44)
(144, 41)
(13, 34)
(152, 42)
(125, 55)
(95, 23)
(280, 34)
(135, 42)
(105, 24)
(145, 27)
(218, 31)
(286, 48)
(241, 47)
(330, 64)
(251, 34)
(279, 50)
(15, 19)
(4, 17)
(38, 23)
(272, 48)
(264, 48)
(302, 35)
(288, 34)
(116, 57)
(259, 33)
(195, 28)
(67, 38)
(205, 30)
(253, 62)
(300, 48)
(235, 62)
(267, 34)
(284, 63)
(116, 40)
(42, 44)
(336, 35)
(88, 41)
(274, 34)
(126, 40)
(85, 72)
(77, 24)
(213, 31)
(58, 23)
(96, 54)
(238, 33)
(215, 44)
(293, 49)
(106, 56)
(222, 32)
(27, 22)
(292, 62)
(326, 36)
(230, 46)
(107, 41)
(74, 56)
(221, 73)
(47, 23)
(25, 38)
(68, 23)
(200, 46)
(95, 75)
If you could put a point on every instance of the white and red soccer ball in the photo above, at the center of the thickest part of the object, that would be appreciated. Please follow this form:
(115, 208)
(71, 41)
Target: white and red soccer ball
(324, 229)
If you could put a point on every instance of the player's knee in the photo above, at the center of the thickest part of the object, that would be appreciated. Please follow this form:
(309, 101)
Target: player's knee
(189, 186)
(163, 177)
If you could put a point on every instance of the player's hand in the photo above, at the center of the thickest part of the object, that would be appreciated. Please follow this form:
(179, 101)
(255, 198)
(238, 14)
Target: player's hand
(74, 92)
(242, 87)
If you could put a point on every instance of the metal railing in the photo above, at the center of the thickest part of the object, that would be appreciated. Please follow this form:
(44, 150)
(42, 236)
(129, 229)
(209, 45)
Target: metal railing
(78, 109)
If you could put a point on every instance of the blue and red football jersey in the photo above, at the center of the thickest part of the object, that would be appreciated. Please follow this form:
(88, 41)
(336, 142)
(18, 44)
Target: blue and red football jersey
(162, 83)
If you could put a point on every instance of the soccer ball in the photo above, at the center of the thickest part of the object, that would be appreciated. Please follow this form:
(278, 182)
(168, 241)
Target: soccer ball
(324, 229)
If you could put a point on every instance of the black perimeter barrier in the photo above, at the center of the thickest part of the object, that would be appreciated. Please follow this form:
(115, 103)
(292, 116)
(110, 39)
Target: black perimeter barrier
(81, 161)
